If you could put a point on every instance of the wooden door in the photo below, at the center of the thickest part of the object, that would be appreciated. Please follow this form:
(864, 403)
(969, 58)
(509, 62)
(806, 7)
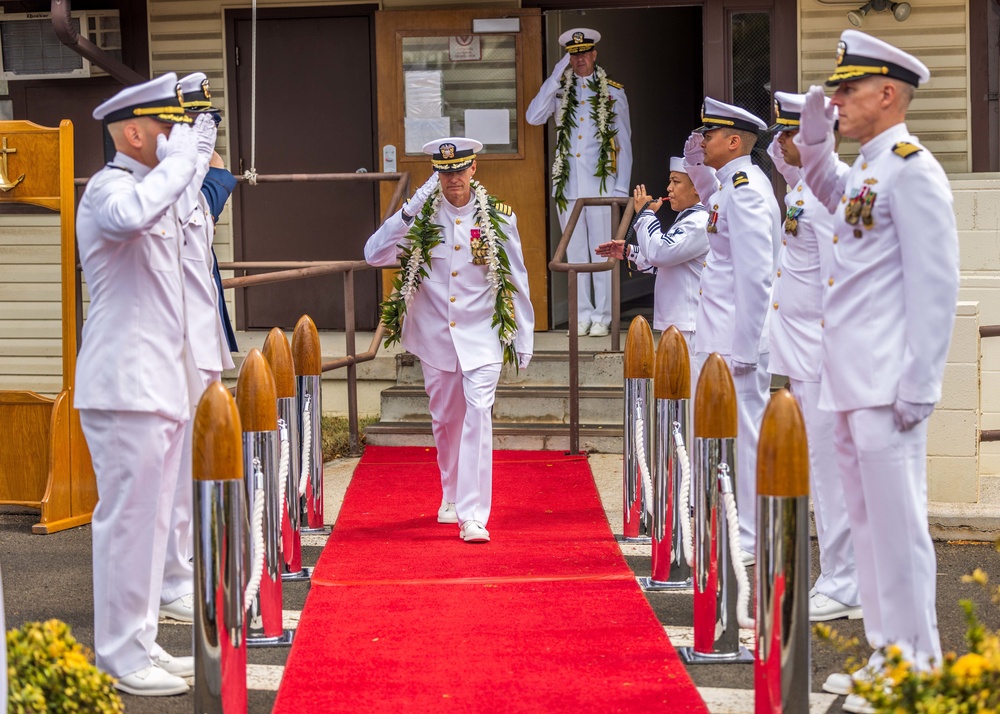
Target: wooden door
(314, 114)
(514, 172)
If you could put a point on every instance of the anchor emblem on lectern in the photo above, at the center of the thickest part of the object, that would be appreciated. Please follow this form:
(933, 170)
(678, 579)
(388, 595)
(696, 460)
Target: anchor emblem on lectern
(5, 183)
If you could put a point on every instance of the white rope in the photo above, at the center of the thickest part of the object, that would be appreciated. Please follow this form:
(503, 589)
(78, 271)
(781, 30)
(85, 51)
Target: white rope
(684, 504)
(306, 444)
(640, 449)
(251, 174)
(257, 534)
(283, 465)
(732, 519)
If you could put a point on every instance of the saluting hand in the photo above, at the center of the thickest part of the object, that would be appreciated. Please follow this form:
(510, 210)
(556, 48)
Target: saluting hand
(817, 119)
(693, 153)
(412, 207)
(182, 142)
(206, 131)
(561, 65)
(788, 172)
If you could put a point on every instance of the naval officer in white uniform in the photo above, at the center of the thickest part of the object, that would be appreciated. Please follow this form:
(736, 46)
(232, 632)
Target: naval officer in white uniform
(796, 335)
(888, 318)
(743, 228)
(209, 347)
(132, 374)
(593, 158)
(447, 318)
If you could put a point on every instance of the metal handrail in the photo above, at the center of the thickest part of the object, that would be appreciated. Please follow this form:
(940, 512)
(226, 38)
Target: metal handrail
(558, 264)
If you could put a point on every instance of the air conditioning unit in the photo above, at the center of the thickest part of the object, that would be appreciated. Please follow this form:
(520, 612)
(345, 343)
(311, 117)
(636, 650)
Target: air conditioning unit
(29, 48)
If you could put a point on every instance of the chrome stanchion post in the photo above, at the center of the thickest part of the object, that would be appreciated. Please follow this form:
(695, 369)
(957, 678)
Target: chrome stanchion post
(671, 392)
(782, 669)
(278, 354)
(716, 630)
(306, 355)
(220, 648)
(639, 358)
(255, 397)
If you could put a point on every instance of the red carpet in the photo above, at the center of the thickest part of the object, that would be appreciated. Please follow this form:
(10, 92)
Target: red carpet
(405, 617)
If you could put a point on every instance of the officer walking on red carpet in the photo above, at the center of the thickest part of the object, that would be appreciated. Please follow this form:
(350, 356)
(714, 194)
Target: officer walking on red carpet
(889, 312)
(134, 385)
(461, 305)
(796, 333)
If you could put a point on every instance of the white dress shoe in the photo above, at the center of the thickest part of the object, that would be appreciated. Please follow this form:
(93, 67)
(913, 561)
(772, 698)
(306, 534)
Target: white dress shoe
(177, 666)
(474, 532)
(841, 683)
(823, 608)
(748, 558)
(599, 329)
(857, 705)
(152, 682)
(181, 609)
(446, 513)
(582, 328)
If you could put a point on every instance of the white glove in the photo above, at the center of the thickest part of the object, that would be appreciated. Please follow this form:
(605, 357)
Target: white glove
(693, 153)
(817, 119)
(206, 130)
(790, 173)
(182, 143)
(412, 207)
(908, 414)
(742, 368)
(523, 358)
(561, 66)
(702, 176)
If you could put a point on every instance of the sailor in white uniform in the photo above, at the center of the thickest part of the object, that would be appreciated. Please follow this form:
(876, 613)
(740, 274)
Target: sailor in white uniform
(796, 334)
(464, 319)
(888, 317)
(209, 347)
(743, 228)
(593, 158)
(133, 371)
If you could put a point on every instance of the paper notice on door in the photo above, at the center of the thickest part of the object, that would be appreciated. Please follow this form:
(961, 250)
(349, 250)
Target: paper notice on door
(423, 93)
(420, 131)
(490, 126)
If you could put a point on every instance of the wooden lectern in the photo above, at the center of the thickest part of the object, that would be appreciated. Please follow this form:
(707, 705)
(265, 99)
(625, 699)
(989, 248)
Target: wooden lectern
(44, 461)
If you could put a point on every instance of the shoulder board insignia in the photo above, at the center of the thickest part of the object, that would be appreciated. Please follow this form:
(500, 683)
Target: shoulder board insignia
(120, 168)
(616, 85)
(906, 149)
(504, 209)
(740, 179)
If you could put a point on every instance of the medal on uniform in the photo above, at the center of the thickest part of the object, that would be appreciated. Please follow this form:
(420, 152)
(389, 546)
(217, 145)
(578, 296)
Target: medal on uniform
(866, 209)
(712, 220)
(852, 211)
(478, 248)
(792, 220)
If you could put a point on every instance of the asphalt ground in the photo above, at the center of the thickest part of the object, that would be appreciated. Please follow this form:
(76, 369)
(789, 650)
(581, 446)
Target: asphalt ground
(50, 577)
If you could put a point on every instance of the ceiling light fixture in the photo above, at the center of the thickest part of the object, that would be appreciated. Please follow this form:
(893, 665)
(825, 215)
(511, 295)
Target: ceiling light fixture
(900, 11)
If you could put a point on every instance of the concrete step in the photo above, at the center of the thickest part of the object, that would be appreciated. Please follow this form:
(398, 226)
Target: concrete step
(548, 367)
(594, 438)
(515, 403)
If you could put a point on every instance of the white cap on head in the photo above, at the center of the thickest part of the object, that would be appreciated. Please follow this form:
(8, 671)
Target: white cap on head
(861, 55)
(197, 95)
(718, 115)
(452, 153)
(579, 39)
(788, 111)
(158, 99)
(677, 164)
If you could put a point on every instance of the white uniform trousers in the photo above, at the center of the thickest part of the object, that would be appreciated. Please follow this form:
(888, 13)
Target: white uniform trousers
(178, 570)
(838, 576)
(461, 406)
(593, 290)
(884, 475)
(136, 456)
(752, 392)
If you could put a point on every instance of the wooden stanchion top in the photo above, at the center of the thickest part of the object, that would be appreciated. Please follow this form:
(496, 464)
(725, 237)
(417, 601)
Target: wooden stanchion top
(639, 356)
(715, 401)
(217, 443)
(672, 379)
(306, 352)
(278, 354)
(255, 394)
(783, 452)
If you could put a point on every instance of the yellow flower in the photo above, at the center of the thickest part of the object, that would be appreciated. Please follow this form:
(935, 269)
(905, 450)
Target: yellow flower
(969, 667)
(978, 577)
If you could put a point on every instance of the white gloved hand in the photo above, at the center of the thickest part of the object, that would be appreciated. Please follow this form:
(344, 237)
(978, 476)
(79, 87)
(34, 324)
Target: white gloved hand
(412, 207)
(742, 368)
(788, 172)
(182, 142)
(206, 130)
(908, 414)
(693, 153)
(523, 358)
(817, 120)
(561, 66)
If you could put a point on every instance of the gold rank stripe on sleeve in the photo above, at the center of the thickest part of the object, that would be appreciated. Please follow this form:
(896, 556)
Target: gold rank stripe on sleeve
(504, 209)
(616, 85)
(740, 179)
(905, 149)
